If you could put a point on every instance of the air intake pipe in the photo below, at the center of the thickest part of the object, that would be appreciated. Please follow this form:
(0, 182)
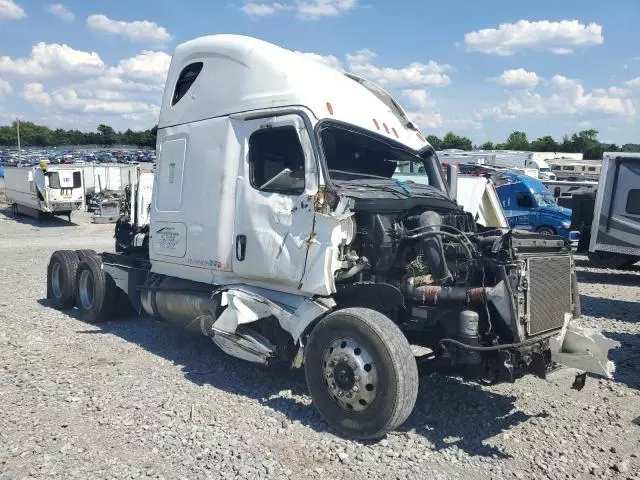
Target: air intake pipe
(430, 221)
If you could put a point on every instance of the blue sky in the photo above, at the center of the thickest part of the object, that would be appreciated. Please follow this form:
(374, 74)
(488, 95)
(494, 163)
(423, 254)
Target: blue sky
(482, 69)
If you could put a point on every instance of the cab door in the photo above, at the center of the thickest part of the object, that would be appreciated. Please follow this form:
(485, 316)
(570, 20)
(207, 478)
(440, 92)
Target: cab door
(274, 213)
(517, 206)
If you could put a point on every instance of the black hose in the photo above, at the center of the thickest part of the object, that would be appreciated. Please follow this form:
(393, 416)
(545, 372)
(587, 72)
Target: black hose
(493, 348)
(444, 234)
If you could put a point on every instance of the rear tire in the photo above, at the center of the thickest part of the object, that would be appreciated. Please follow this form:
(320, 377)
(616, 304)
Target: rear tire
(85, 253)
(96, 293)
(61, 279)
(609, 260)
(361, 373)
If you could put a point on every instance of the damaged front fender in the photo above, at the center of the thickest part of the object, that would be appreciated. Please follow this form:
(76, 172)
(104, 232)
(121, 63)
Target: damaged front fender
(583, 348)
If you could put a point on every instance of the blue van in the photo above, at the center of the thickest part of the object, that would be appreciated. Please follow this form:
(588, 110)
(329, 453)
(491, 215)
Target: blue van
(528, 205)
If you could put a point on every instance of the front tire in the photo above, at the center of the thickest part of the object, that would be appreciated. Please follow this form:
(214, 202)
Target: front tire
(96, 293)
(545, 230)
(361, 373)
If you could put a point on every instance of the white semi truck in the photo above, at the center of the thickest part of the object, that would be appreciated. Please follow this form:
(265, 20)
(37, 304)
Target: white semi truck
(277, 226)
(42, 190)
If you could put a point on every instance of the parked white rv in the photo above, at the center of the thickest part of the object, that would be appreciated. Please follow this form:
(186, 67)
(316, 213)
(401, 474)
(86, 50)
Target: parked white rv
(35, 191)
(614, 233)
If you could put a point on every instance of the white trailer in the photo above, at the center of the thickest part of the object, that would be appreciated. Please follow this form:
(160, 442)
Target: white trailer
(36, 191)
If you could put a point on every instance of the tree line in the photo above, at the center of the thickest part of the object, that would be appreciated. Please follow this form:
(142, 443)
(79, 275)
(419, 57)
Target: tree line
(32, 135)
(585, 142)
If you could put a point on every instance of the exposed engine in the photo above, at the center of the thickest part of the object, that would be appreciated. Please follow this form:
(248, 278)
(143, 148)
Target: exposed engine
(483, 301)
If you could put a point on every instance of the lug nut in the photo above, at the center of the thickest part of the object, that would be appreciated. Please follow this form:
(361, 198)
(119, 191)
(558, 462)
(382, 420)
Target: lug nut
(356, 378)
(349, 395)
(355, 388)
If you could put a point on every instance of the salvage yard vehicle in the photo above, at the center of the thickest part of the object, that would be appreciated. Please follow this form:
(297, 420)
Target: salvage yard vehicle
(280, 227)
(44, 190)
(610, 217)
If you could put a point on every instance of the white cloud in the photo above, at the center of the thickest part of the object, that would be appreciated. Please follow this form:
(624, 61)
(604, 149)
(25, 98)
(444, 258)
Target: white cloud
(136, 31)
(148, 65)
(418, 97)
(49, 59)
(361, 63)
(519, 78)
(329, 60)
(314, 9)
(572, 98)
(634, 82)
(567, 97)
(62, 12)
(10, 10)
(69, 99)
(5, 87)
(34, 93)
(548, 36)
(264, 9)
(305, 9)
(426, 120)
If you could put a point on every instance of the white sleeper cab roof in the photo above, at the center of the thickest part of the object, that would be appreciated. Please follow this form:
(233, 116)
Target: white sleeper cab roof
(238, 74)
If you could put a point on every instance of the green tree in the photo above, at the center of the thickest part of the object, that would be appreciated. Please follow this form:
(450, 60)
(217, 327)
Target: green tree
(107, 134)
(453, 141)
(517, 141)
(435, 142)
(544, 144)
(487, 146)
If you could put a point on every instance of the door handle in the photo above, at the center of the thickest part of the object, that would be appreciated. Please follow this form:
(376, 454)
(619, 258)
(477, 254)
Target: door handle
(241, 247)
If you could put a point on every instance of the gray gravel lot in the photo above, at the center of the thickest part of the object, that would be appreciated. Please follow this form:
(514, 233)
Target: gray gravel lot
(140, 398)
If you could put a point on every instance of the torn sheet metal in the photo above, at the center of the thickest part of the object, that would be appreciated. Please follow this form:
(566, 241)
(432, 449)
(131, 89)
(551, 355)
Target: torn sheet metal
(247, 304)
(583, 348)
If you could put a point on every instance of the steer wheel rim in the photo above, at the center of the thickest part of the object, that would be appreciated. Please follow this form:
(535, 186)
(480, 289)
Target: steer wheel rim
(86, 290)
(56, 280)
(350, 374)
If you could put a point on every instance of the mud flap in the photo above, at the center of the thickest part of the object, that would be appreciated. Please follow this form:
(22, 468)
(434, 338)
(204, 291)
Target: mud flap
(584, 349)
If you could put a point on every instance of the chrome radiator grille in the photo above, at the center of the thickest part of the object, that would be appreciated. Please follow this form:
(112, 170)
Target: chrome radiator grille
(549, 292)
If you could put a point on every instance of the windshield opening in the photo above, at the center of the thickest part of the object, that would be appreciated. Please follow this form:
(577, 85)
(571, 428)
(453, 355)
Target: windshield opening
(353, 155)
(545, 199)
(544, 169)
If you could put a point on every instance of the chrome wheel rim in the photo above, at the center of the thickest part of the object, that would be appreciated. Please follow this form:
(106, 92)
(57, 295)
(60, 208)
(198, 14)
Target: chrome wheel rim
(86, 290)
(56, 280)
(350, 374)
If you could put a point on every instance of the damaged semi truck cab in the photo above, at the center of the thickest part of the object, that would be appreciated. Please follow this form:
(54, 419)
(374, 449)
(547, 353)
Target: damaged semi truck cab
(282, 226)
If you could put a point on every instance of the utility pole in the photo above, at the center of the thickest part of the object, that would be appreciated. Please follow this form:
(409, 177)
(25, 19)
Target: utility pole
(18, 130)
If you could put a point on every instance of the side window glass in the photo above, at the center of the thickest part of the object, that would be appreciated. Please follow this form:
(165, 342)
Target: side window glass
(633, 202)
(185, 80)
(77, 179)
(276, 160)
(524, 201)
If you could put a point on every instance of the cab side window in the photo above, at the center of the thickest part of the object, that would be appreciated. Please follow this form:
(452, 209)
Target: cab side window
(524, 200)
(276, 160)
(633, 202)
(185, 80)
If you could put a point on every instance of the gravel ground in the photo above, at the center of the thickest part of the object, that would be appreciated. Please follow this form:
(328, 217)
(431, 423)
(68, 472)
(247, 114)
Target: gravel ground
(140, 398)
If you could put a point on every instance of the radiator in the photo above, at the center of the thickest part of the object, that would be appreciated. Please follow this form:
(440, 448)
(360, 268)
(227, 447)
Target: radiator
(549, 293)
